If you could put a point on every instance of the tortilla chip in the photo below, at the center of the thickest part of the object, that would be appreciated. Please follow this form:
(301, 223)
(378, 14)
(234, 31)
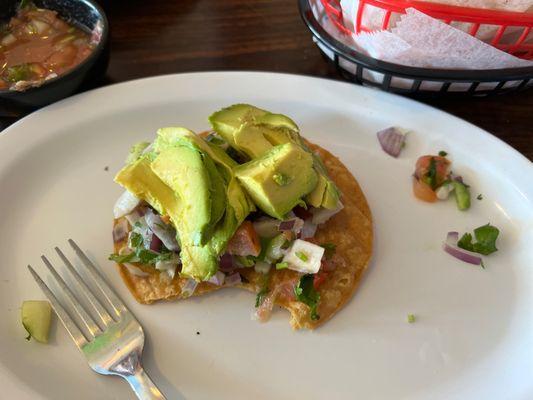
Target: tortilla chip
(350, 230)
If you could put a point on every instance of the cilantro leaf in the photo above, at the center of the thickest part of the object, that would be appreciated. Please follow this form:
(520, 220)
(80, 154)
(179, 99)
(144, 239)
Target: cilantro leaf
(123, 258)
(306, 293)
(479, 197)
(329, 249)
(466, 242)
(431, 176)
(442, 153)
(485, 236)
(261, 296)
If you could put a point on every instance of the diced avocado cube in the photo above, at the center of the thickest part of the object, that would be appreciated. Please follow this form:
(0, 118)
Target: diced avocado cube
(288, 160)
(36, 316)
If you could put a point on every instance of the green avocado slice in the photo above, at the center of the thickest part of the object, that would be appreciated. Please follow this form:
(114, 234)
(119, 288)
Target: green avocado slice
(36, 316)
(183, 170)
(253, 131)
(278, 179)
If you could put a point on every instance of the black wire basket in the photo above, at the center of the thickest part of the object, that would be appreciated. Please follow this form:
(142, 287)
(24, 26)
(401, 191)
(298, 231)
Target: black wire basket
(362, 69)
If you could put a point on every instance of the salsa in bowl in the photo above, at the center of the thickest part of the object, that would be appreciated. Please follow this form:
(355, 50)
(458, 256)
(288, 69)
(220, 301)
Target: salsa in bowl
(47, 50)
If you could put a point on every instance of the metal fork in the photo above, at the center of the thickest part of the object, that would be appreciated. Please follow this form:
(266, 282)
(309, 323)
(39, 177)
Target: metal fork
(114, 345)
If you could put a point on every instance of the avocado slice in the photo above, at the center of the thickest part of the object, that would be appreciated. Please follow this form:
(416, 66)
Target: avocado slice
(139, 179)
(36, 316)
(278, 179)
(225, 191)
(228, 120)
(183, 170)
(236, 196)
(242, 125)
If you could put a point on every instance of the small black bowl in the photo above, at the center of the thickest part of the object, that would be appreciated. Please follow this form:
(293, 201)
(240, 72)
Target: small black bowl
(86, 14)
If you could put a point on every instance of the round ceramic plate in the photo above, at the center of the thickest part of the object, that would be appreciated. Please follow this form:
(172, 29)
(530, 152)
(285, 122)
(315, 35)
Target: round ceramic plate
(473, 336)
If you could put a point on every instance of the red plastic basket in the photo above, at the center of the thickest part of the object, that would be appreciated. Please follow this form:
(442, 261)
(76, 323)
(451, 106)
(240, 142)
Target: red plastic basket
(502, 20)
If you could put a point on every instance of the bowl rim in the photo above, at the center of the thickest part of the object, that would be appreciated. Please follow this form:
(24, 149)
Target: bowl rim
(403, 71)
(93, 56)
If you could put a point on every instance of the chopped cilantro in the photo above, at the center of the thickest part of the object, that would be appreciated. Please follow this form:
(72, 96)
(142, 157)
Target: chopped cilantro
(442, 153)
(485, 236)
(281, 179)
(302, 256)
(261, 296)
(136, 240)
(431, 176)
(306, 293)
(411, 318)
(479, 197)
(329, 249)
(140, 254)
(123, 258)
(282, 265)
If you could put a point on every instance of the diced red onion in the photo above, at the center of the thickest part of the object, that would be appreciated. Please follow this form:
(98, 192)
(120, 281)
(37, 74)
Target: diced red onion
(286, 225)
(452, 237)
(155, 243)
(225, 263)
(450, 247)
(189, 287)
(166, 233)
(321, 215)
(134, 216)
(266, 227)
(294, 225)
(218, 278)
(233, 279)
(135, 270)
(391, 140)
(327, 265)
(120, 231)
(125, 204)
(308, 230)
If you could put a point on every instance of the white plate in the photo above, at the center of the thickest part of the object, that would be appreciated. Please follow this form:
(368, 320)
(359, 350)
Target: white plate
(473, 338)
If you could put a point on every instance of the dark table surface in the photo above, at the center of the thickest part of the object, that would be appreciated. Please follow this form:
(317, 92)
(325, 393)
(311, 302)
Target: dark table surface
(161, 37)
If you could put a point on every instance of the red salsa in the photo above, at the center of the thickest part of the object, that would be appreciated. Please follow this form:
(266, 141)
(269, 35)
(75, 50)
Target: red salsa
(37, 45)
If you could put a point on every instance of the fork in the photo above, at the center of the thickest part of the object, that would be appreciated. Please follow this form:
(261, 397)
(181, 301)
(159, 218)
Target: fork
(114, 345)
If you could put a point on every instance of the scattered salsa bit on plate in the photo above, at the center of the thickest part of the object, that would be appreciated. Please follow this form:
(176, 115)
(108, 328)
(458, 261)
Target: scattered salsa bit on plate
(434, 181)
(36, 45)
(392, 140)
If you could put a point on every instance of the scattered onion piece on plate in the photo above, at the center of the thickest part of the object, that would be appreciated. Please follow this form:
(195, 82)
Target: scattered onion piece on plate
(392, 140)
(450, 247)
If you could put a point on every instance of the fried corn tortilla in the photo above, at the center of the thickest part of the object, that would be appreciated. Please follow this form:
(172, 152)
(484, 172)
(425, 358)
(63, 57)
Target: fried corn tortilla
(350, 230)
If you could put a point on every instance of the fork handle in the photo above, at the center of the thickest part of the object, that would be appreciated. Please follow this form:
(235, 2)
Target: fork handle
(143, 386)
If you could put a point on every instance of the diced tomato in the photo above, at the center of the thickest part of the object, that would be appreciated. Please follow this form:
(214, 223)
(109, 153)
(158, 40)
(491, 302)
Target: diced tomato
(441, 167)
(319, 279)
(423, 191)
(245, 241)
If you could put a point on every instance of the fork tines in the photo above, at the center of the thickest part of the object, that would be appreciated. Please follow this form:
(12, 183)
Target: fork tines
(104, 318)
